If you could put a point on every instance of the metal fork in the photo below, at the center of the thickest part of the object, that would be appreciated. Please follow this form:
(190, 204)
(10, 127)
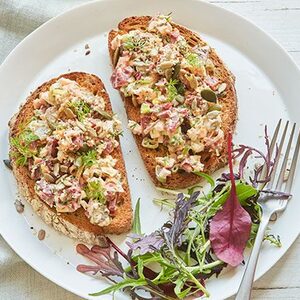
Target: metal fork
(271, 206)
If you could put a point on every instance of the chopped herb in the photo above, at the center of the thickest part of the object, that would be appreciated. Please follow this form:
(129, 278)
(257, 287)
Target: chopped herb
(89, 158)
(94, 190)
(193, 60)
(273, 240)
(169, 17)
(133, 43)
(21, 143)
(81, 109)
(171, 89)
(117, 133)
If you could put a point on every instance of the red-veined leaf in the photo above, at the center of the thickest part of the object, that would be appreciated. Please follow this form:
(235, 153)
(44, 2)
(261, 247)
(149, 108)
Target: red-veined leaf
(230, 227)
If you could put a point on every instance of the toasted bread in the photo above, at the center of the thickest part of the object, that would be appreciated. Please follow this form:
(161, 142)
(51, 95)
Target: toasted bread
(212, 162)
(75, 225)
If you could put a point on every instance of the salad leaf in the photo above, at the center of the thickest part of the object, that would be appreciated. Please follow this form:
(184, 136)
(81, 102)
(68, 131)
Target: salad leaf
(121, 285)
(146, 244)
(207, 232)
(174, 235)
(107, 260)
(230, 227)
(136, 227)
(208, 178)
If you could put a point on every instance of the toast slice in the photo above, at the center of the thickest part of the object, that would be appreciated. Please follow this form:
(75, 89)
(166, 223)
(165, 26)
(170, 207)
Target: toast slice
(74, 224)
(210, 159)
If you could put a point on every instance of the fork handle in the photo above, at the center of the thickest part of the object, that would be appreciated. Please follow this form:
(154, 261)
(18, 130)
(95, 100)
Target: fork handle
(244, 292)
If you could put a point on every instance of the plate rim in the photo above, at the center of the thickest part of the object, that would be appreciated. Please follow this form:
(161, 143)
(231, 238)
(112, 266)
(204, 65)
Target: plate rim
(241, 18)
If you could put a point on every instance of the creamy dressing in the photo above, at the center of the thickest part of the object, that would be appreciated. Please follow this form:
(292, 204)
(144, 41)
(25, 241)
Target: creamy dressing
(176, 89)
(73, 139)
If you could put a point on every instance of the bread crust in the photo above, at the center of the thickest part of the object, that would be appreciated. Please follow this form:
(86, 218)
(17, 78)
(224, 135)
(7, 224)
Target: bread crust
(75, 225)
(212, 162)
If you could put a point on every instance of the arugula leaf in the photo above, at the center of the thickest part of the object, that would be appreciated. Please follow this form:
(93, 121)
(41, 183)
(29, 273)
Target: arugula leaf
(121, 285)
(208, 178)
(244, 191)
(181, 294)
(273, 240)
(136, 228)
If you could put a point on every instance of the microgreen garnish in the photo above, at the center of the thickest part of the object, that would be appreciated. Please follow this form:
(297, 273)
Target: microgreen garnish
(22, 143)
(171, 89)
(81, 109)
(94, 190)
(89, 158)
(133, 43)
(174, 88)
(193, 60)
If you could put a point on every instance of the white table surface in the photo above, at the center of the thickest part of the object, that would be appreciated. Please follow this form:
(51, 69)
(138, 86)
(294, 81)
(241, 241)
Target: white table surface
(280, 18)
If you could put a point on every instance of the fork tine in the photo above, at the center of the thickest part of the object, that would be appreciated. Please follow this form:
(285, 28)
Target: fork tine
(270, 184)
(275, 135)
(290, 180)
(272, 146)
(285, 160)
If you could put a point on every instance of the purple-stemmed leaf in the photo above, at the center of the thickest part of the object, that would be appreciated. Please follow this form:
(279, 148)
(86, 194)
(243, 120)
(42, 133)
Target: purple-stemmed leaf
(230, 227)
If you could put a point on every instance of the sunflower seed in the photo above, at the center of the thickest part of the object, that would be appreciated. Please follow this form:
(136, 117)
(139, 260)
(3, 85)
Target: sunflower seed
(19, 206)
(49, 178)
(69, 113)
(222, 87)
(116, 55)
(41, 234)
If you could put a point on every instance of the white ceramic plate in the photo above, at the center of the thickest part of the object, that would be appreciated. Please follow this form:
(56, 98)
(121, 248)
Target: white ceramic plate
(267, 83)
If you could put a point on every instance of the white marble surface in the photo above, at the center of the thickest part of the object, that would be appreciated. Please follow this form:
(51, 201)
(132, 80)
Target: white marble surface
(280, 18)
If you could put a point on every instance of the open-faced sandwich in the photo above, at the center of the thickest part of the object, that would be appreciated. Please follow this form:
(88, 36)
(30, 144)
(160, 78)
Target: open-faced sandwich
(67, 160)
(179, 97)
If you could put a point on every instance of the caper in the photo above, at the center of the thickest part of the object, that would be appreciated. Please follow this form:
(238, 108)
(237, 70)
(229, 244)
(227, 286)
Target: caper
(180, 88)
(209, 95)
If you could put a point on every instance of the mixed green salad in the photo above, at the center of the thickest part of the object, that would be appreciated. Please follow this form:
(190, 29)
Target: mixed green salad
(208, 231)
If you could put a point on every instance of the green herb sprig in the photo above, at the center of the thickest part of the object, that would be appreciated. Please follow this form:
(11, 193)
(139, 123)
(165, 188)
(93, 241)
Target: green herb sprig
(21, 144)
